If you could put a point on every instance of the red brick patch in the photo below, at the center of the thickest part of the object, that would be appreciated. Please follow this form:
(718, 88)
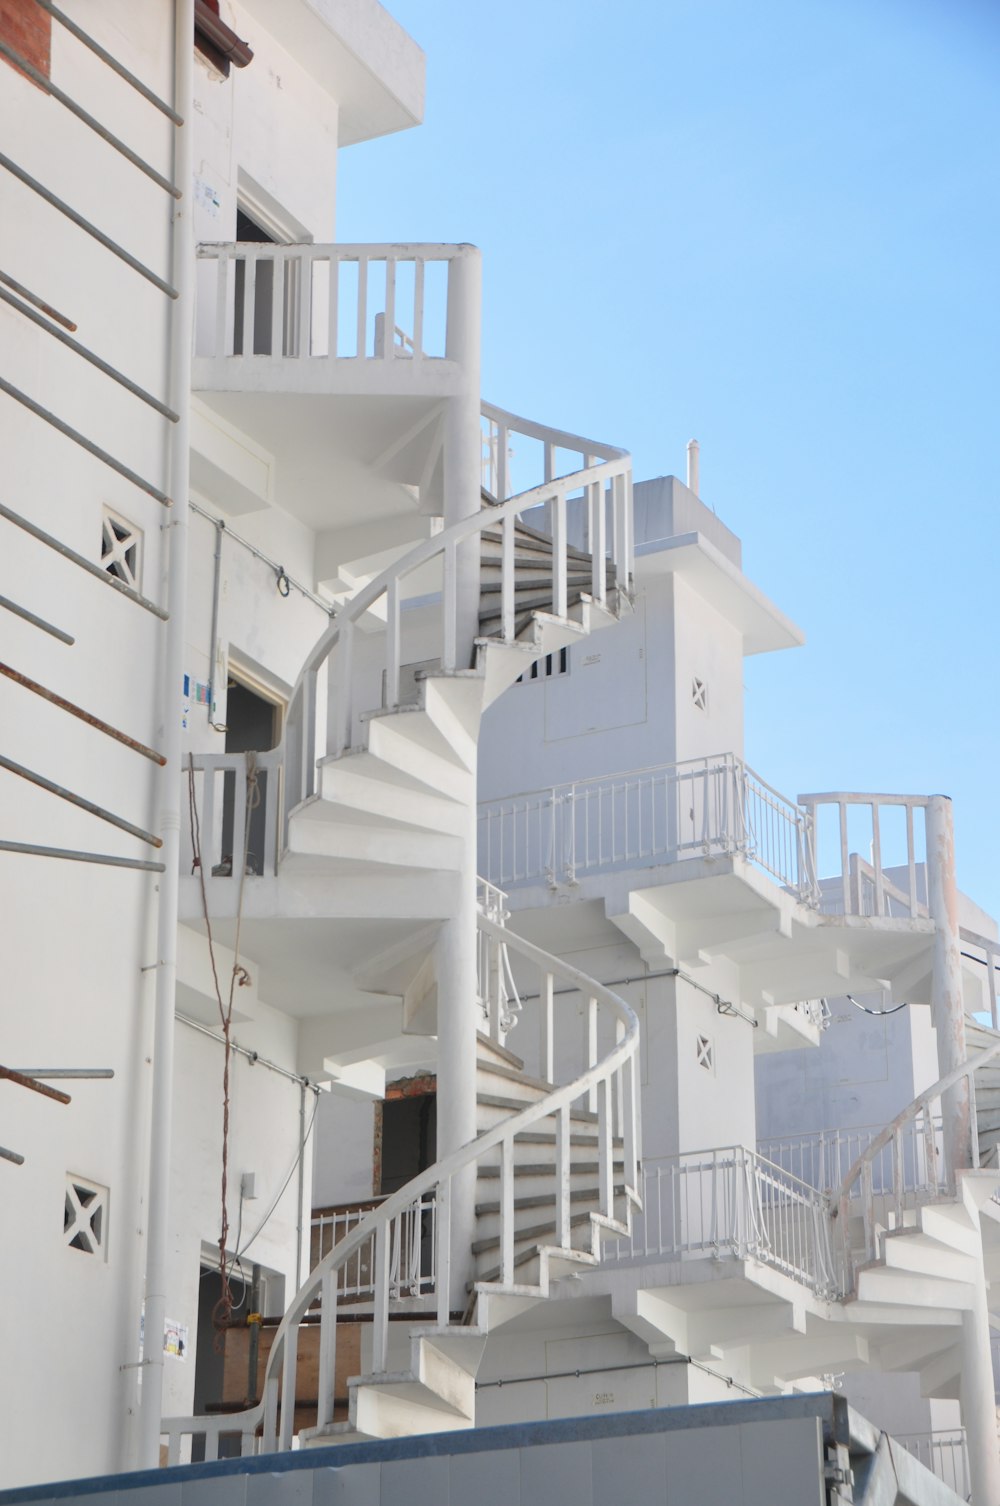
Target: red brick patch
(27, 28)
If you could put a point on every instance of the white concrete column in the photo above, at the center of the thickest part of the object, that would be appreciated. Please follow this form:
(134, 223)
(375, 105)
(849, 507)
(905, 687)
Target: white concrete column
(457, 1017)
(976, 1394)
(462, 459)
(169, 792)
(947, 1006)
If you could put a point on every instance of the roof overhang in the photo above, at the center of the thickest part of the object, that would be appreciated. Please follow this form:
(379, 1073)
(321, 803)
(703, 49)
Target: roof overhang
(358, 54)
(724, 586)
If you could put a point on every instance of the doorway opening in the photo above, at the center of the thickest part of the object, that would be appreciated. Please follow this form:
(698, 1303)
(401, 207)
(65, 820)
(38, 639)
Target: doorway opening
(253, 725)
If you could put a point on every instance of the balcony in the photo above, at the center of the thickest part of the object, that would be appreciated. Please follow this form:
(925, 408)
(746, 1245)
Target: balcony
(390, 331)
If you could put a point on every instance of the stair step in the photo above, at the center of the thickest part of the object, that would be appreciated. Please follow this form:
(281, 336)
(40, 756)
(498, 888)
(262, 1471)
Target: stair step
(513, 1074)
(492, 1048)
(547, 1168)
(543, 1200)
(498, 1101)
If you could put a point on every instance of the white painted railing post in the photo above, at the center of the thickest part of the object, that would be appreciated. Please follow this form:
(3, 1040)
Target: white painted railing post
(545, 1011)
(563, 1170)
(947, 1003)
(327, 1383)
(462, 441)
(507, 1212)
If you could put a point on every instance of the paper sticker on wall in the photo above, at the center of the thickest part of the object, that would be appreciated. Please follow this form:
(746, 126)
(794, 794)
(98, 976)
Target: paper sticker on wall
(175, 1339)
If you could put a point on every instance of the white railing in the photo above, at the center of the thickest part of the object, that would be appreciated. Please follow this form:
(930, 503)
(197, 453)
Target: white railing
(412, 1245)
(322, 303)
(696, 808)
(944, 1453)
(538, 453)
(732, 1201)
(237, 800)
(587, 500)
(885, 1178)
(609, 1081)
(496, 991)
(892, 830)
(823, 1158)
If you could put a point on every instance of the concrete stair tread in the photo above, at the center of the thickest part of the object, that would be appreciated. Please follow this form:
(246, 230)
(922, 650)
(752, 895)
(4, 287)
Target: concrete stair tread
(518, 1075)
(504, 1052)
(498, 1101)
(543, 1200)
(537, 1232)
(547, 1168)
(489, 1283)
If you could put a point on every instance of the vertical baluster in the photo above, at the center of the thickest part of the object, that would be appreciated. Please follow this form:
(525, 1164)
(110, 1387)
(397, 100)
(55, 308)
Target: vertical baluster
(222, 346)
(209, 855)
(239, 813)
(502, 462)
(545, 1022)
(442, 1266)
(327, 1350)
(269, 1438)
(289, 1362)
(362, 348)
(271, 783)
(563, 1173)
(248, 1442)
(559, 562)
(991, 981)
(279, 267)
(389, 347)
(450, 607)
(345, 691)
(897, 1176)
(877, 862)
(211, 1436)
(507, 577)
(380, 1318)
(845, 862)
(305, 265)
(620, 523)
(418, 308)
(590, 1047)
(333, 312)
(392, 644)
(173, 1448)
(630, 1149)
(868, 1208)
(911, 867)
(617, 1085)
(604, 1159)
(507, 1211)
(249, 301)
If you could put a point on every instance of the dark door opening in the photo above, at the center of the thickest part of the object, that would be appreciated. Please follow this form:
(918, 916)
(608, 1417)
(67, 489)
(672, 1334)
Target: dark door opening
(210, 1362)
(409, 1138)
(253, 725)
(263, 291)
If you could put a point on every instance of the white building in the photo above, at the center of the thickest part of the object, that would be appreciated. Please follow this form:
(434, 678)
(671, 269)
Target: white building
(258, 520)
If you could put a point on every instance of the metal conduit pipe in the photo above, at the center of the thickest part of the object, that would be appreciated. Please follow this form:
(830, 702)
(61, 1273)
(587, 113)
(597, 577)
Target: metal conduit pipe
(279, 570)
(253, 1057)
(213, 662)
(169, 793)
(651, 1364)
(724, 1006)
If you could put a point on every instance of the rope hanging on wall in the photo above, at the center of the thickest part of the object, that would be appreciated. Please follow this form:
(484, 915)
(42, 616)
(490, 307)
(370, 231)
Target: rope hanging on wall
(240, 978)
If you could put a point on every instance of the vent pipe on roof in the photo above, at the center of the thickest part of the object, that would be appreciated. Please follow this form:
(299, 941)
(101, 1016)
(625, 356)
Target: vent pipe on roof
(692, 479)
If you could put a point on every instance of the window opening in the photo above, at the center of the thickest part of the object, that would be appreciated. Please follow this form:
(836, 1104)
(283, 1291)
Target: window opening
(547, 668)
(85, 1220)
(121, 549)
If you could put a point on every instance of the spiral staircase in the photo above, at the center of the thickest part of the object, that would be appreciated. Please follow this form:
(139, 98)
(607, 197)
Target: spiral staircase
(390, 795)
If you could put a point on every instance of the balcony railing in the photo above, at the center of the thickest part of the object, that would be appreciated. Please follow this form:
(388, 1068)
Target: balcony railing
(411, 1251)
(698, 808)
(392, 305)
(823, 1158)
(944, 1454)
(732, 1201)
(233, 800)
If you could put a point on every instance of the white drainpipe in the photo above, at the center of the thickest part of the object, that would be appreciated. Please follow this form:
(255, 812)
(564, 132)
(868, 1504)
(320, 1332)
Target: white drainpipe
(169, 825)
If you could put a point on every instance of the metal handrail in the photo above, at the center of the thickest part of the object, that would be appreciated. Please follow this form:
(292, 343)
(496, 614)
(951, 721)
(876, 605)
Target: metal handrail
(616, 1067)
(861, 1167)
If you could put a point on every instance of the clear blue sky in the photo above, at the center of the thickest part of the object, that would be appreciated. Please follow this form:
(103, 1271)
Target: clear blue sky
(776, 227)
